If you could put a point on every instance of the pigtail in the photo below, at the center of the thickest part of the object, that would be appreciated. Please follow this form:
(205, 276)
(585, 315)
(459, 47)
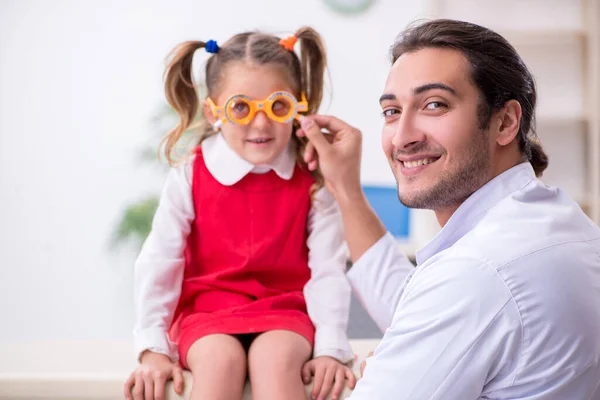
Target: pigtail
(180, 92)
(313, 62)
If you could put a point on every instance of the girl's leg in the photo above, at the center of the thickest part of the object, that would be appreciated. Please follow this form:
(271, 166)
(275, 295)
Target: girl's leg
(275, 361)
(218, 365)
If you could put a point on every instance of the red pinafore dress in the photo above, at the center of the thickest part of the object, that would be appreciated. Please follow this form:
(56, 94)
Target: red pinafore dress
(246, 260)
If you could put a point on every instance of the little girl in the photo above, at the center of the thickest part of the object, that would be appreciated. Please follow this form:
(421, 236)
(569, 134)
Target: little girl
(243, 273)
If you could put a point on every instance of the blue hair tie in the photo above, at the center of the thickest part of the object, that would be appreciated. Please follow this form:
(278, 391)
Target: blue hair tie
(212, 47)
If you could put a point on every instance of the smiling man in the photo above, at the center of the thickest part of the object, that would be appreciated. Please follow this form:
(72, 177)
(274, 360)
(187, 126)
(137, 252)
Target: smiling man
(504, 302)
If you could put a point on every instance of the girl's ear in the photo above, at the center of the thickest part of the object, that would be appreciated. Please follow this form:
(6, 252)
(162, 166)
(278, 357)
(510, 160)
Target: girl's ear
(208, 114)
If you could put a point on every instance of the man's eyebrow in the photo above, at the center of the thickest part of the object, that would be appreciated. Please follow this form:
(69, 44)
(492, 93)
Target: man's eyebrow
(419, 90)
(431, 86)
(387, 96)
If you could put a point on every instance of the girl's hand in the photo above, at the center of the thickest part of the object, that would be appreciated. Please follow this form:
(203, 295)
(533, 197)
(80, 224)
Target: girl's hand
(148, 381)
(328, 372)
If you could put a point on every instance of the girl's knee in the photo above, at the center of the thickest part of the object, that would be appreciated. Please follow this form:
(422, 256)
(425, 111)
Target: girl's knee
(215, 354)
(280, 352)
(218, 365)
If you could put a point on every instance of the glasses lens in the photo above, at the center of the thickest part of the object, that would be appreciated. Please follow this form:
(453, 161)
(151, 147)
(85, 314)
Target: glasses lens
(238, 109)
(282, 107)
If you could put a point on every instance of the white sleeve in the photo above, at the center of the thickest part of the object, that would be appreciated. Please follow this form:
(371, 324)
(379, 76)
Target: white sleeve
(378, 278)
(159, 268)
(327, 293)
(455, 329)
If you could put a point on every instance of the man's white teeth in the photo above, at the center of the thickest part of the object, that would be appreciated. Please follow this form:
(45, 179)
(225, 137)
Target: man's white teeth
(259, 140)
(418, 163)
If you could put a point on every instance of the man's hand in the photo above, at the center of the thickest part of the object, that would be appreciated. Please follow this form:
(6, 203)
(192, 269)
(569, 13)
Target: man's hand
(328, 372)
(148, 381)
(363, 364)
(337, 152)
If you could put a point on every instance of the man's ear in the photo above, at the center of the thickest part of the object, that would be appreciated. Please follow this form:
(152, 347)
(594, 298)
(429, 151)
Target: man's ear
(506, 122)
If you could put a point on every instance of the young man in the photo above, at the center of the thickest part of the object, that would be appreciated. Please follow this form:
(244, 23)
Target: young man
(505, 300)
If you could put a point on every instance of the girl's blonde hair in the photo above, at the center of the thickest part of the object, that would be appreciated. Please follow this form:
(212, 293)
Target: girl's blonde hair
(306, 75)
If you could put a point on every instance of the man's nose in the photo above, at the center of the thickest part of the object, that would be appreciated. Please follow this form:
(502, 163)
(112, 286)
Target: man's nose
(407, 132)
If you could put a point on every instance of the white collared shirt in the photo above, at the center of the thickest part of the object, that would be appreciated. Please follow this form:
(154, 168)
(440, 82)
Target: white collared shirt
(504, 302)
(160, 265)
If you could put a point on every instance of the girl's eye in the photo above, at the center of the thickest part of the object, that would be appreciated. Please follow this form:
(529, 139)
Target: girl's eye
(281, 108)
(240, 107)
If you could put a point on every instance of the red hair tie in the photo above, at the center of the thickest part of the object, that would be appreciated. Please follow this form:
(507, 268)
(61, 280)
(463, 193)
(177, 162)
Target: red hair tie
(289, 42)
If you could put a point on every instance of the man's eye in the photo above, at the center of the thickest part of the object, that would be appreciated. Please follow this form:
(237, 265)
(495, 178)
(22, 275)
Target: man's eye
(390, 112)
(434, 105)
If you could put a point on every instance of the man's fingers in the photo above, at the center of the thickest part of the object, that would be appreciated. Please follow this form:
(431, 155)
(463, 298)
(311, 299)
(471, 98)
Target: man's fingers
(313, 132)
(363, 364)
(309, 153)
(332, 124)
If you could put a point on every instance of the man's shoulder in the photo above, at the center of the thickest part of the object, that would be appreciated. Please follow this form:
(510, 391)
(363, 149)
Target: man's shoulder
(517, 231)
(541, 251)
(465, 276)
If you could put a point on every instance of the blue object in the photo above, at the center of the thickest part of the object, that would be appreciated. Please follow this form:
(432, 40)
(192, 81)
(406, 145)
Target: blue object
(212, 47)
(392, 213)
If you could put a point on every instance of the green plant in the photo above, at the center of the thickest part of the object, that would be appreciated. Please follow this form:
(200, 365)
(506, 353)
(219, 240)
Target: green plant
(136, 221)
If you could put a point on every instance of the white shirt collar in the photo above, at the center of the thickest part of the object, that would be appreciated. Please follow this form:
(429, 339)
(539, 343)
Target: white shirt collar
(475, 207)
(228, 168)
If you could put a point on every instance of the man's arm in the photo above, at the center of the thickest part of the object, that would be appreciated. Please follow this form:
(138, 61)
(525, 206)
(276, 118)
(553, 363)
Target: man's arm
(378, 279)
(455, 330)
(362, 226)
